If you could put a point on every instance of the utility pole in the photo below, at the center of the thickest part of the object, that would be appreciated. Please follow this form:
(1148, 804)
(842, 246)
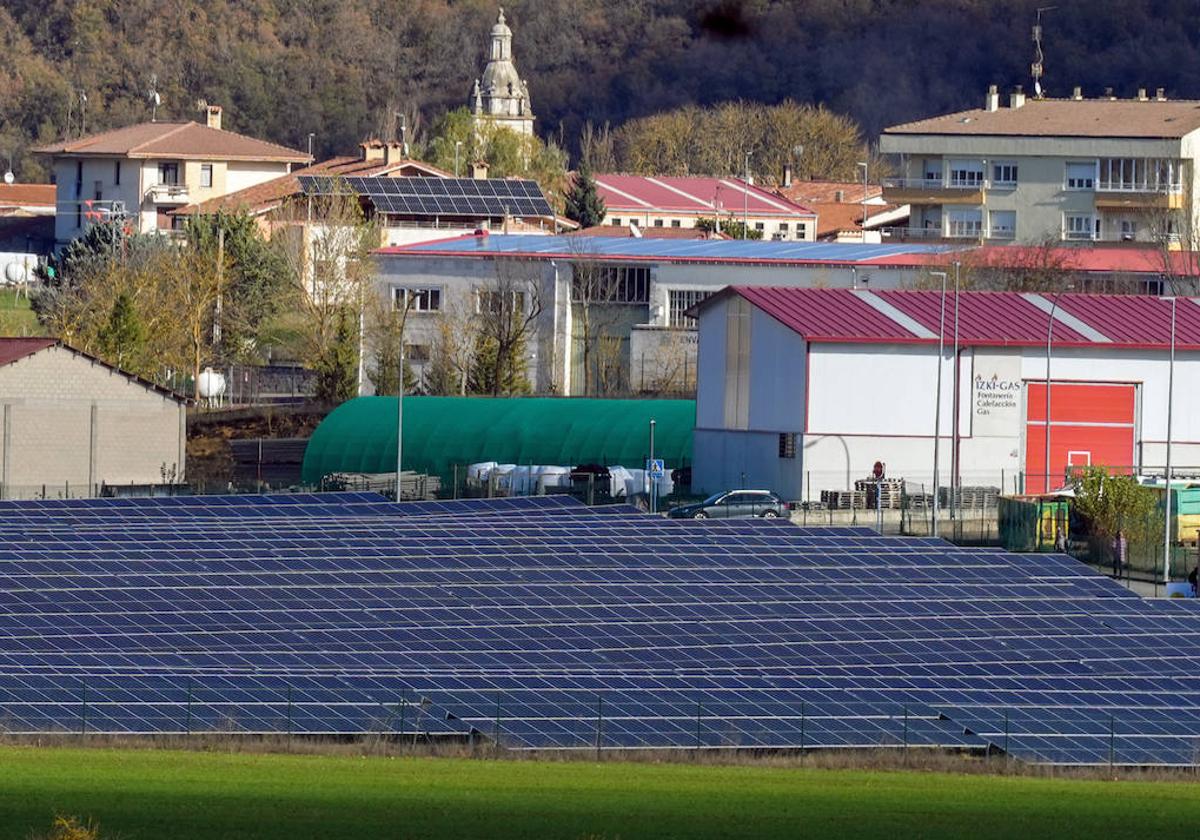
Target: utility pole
(400, 421)
(216, 333)
(937, 400)
(746, 201)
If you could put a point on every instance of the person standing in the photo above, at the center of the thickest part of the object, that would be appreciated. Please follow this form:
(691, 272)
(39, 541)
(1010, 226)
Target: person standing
(1120, 548)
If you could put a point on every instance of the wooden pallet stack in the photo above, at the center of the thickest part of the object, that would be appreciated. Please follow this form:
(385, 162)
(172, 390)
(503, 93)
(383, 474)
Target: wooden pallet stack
(887, 494)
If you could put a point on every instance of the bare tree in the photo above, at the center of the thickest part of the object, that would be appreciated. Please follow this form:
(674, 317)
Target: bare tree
(452, 352)
(1175, 233)
(326, 242)
(508, 311)
(597, 291)
(598, 148)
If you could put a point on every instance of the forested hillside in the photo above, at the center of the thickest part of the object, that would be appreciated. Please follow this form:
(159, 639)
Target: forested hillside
(343, 68)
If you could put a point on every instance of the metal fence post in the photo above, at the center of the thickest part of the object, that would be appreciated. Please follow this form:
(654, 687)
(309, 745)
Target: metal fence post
(802, 721)
(83, 715)
(496, 726)
(1112, 742)
(289, 712)
(699, 711)
(403, 709)
(906, 734)
(599, 724)
(189, 706)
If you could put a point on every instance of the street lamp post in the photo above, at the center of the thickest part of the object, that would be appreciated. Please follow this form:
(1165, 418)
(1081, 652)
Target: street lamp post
(1170, 407)
(653, 480)
(400, 420)
(1049, 344)
(937, 400)
(746, 201)
(864, 164)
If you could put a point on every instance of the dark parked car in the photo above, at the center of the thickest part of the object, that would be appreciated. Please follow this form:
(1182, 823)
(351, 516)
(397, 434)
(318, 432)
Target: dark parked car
(734, 504)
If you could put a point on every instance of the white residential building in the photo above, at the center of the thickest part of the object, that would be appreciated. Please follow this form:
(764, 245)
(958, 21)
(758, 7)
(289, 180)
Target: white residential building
(143, 172)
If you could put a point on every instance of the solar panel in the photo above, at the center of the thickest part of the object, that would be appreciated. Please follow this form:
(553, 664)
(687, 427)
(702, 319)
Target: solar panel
(475, 198)
(546, 624)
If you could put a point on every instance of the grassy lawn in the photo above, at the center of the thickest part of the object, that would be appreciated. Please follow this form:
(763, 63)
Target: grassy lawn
(16, 318)
(143, 794)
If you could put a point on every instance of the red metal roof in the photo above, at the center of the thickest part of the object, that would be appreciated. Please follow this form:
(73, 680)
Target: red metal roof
(14, 349)
(1144, 259)
(692, 196)
(985, 318)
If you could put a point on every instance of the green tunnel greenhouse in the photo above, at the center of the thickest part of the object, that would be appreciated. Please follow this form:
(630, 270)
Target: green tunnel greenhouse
(359, 436)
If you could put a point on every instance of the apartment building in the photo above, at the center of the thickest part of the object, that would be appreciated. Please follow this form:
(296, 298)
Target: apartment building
(140, 173)
(1075, 170)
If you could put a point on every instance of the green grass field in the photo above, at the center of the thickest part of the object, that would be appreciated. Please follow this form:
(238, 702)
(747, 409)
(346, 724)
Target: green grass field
(16, 318)
(145, 794)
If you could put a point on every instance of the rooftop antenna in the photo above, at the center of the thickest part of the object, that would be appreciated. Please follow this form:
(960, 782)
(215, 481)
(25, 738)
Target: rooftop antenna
(155, 99)
(1035, 69)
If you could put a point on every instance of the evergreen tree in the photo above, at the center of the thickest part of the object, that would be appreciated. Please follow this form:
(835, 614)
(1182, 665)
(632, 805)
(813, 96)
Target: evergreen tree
(122, 337)
(337, 368)
(584, 204)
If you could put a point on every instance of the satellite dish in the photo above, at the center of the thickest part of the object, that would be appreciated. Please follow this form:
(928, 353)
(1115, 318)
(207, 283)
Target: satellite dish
(9, 177)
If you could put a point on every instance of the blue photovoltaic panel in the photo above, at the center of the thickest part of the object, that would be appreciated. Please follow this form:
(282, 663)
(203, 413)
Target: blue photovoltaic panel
(552, 625)
(626, 247)
(473, 197)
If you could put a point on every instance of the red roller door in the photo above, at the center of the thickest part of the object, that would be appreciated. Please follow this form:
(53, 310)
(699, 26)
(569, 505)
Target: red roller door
(1091, 423)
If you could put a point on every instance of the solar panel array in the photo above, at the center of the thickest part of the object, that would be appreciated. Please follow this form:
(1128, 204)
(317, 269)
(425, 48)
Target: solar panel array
(474, 197)
(541, 623)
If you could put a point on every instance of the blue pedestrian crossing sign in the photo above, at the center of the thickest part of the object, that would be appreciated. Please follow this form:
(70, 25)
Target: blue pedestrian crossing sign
(655, 467)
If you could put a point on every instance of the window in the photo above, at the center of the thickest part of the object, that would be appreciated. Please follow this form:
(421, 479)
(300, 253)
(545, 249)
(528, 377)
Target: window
(759, 226)
(168, 174)
(658, 222)
(964, 224)
(1004, 174)
(1081, 176)
(1081, 227)
(801, 230)
(1141, 175)
(675, 223)
(1128, 230)
(680, 301)
(418, 353)
(1003, 224)
(117, 172)
(593, 283)
(616, 221)
(966, 173)
(933, 171)
(206, 174)
(417, 300)
(489, 300)
(787, 445)
(783, 227)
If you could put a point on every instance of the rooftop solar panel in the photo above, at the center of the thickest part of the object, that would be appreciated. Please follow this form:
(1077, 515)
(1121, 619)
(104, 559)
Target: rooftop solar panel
(472, 197)
(546, 624)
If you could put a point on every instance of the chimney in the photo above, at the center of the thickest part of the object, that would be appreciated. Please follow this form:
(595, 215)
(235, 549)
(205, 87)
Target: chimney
(370, 150)
(213, 113)
(1108, 93)
(787, 175)
(1160, 94)
(1142, 95)
(992, 101)
(394, 153)
(479, 170)
(839, 196)
(1077, 93)
(1017, 98)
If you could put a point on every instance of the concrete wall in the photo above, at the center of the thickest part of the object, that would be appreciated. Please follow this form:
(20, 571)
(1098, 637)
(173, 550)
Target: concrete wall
(786, 228)
(67, 420)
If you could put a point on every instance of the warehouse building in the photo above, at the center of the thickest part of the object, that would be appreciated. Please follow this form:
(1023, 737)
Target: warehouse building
(802, 390)
(636, 293)
(70, 424)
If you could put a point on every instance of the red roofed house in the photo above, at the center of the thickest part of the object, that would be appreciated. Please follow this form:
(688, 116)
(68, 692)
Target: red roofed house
(142, 172)
(804, 390)
(680, 202)
(844, 209)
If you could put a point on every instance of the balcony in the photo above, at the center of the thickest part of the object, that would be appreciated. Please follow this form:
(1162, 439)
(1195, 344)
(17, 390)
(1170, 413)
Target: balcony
(931, 191)
(1002, 233)
(1117, 195)
(168, 194)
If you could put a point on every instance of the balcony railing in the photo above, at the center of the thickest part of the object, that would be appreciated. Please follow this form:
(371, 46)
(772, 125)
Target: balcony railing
(1002, 233)
(1079, 236)
(902, 234)
(1133, 187)
(168, 193)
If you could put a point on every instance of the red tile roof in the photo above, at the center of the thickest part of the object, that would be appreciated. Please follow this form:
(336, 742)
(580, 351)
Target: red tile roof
(27, 195)
(178, 140)
(826, 192)
(1133, 118)
(1098, 258)
(15, 349)
(266, 196)
(833, 218)
(691, 196)
(984, 318)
